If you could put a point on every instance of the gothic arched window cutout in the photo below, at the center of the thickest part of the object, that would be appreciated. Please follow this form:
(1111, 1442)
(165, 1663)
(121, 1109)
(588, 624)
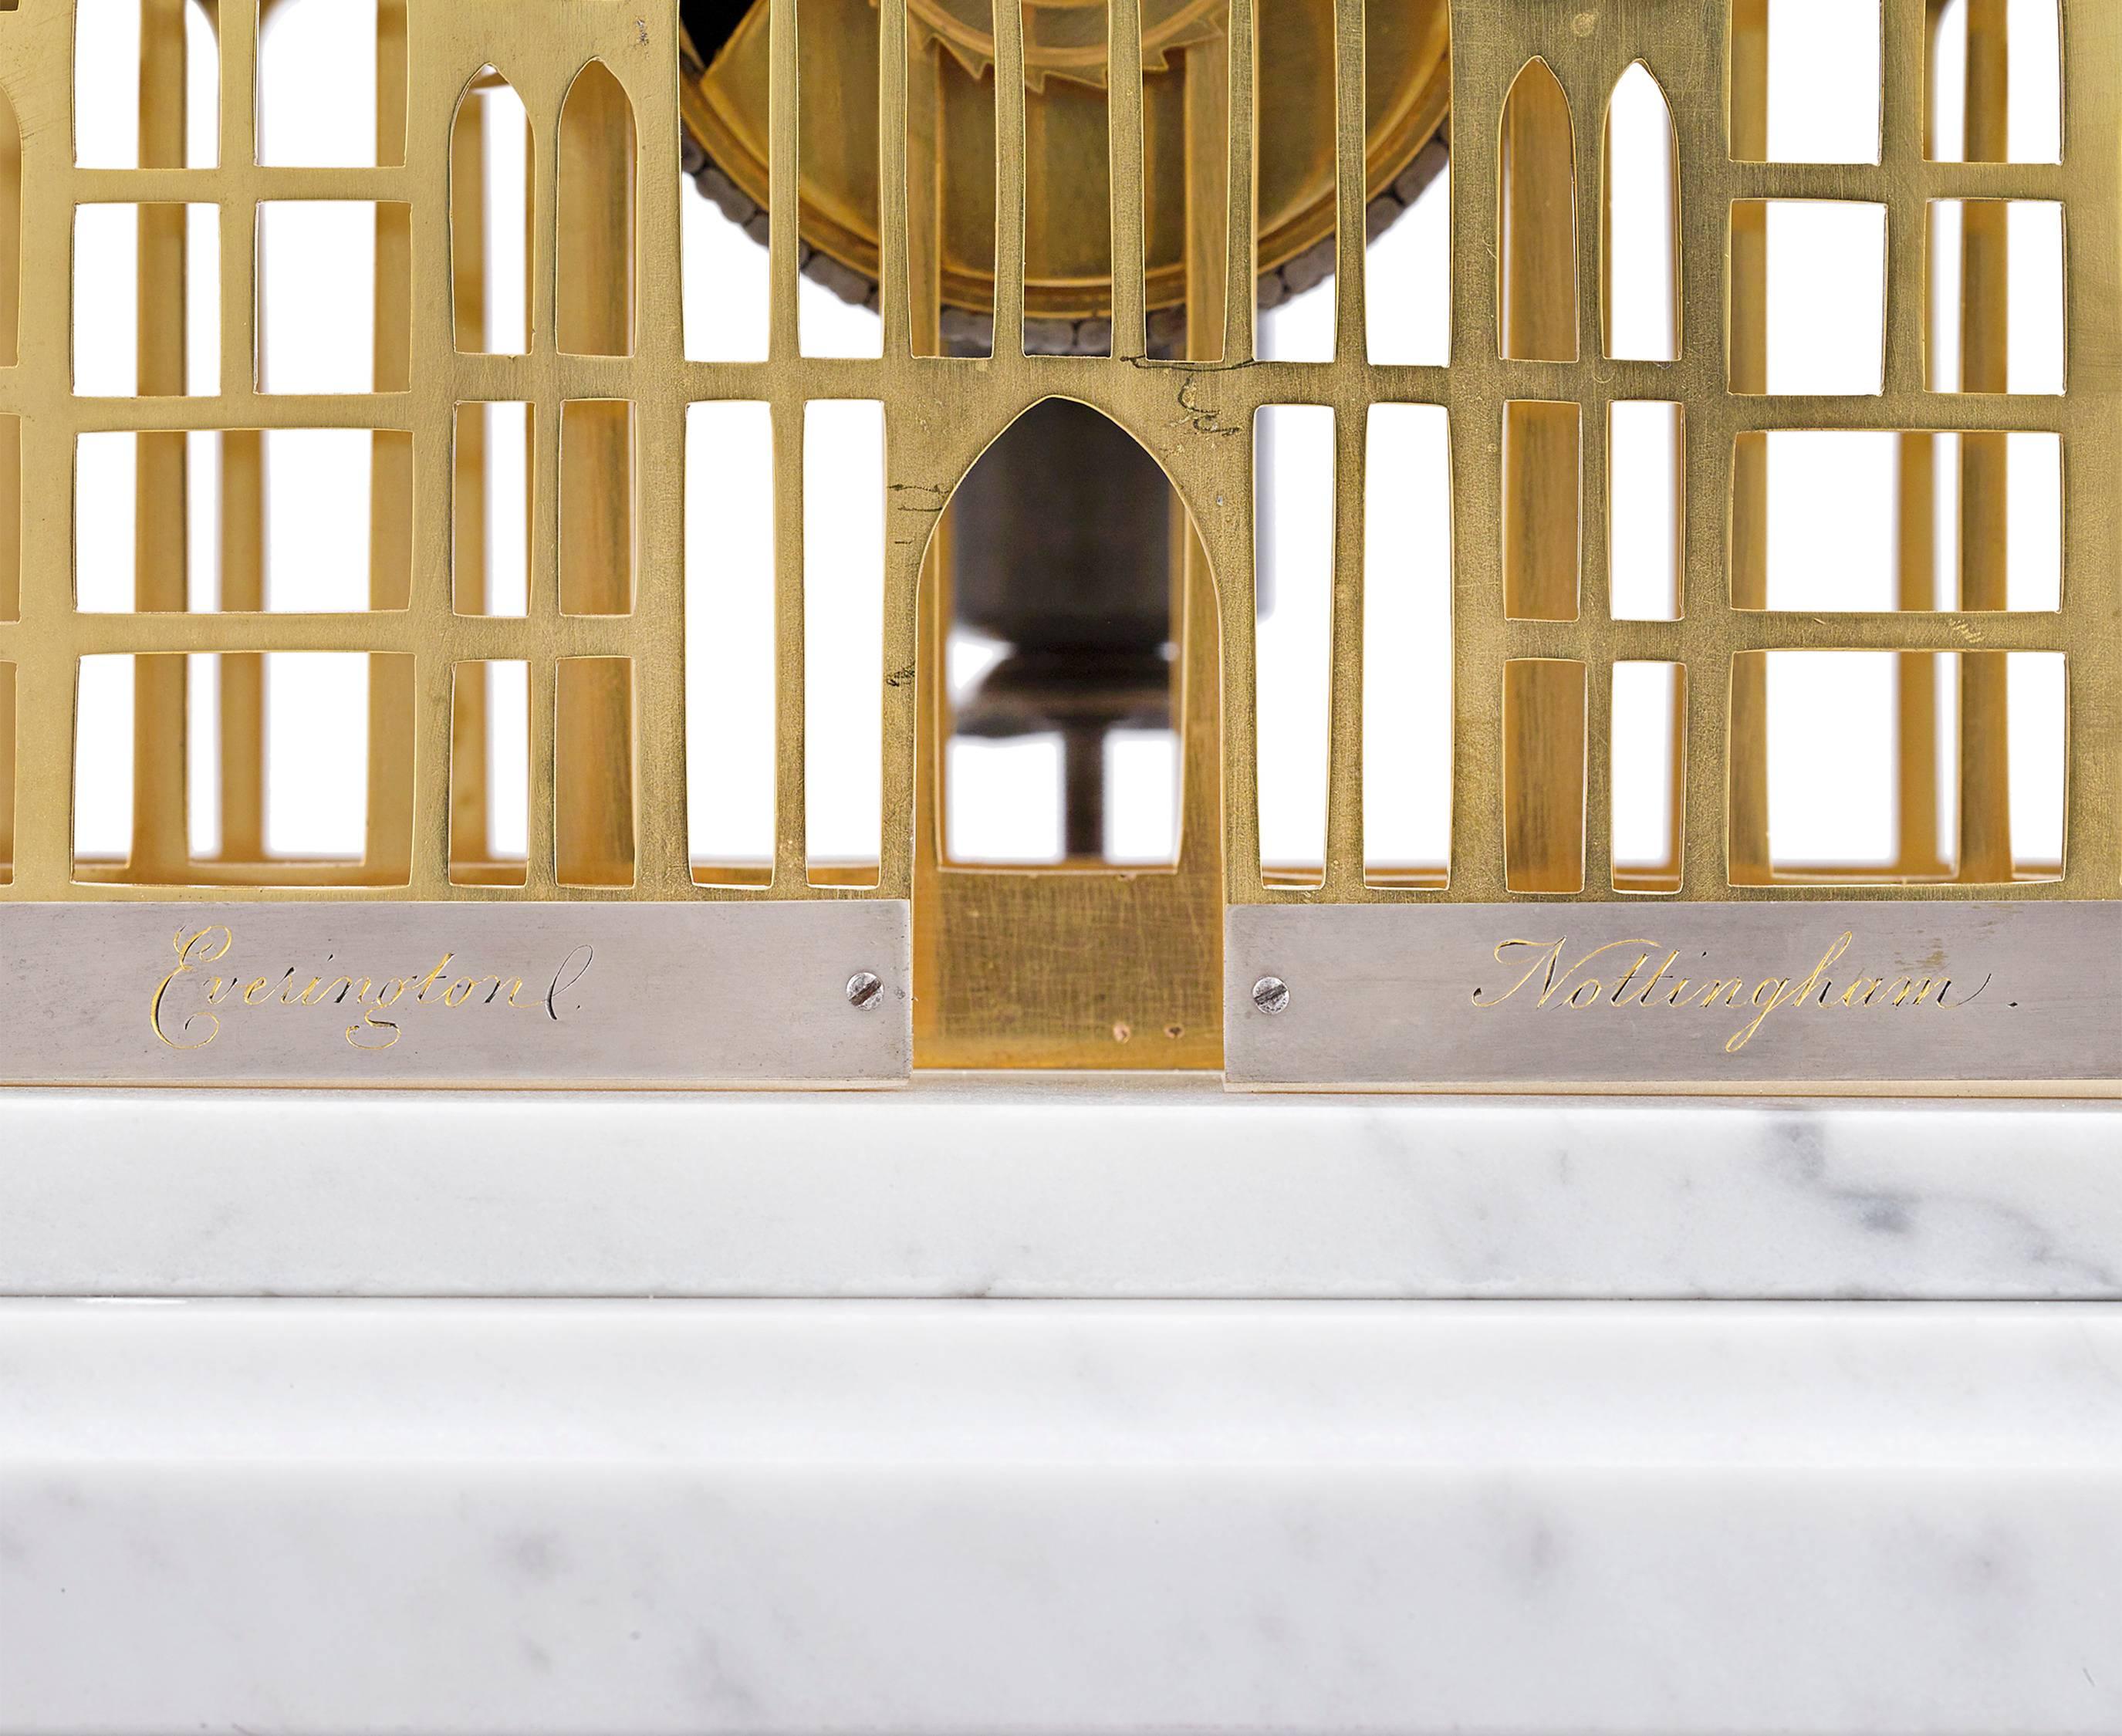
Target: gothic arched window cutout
(1639, 259)
(1061, 741)
(1084, 606)
(597, 229)
(1536, 221)
(490, 218)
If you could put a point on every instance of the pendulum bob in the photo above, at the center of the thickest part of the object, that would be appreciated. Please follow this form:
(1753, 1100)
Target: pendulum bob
(1062, 551)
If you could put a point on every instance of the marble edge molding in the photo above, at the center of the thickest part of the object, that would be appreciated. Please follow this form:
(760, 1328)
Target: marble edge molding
(775, 1519)
(1088, 1189)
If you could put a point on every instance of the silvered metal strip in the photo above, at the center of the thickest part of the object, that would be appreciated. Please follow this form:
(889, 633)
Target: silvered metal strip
(1870, 996)
(369, 993)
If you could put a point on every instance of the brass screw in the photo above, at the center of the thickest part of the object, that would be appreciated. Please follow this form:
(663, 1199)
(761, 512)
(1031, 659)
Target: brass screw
(865, 990)
(1271, 995)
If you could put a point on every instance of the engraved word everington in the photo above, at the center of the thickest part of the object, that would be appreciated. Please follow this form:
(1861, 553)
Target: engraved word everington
(1550, 977)
(181, 1008)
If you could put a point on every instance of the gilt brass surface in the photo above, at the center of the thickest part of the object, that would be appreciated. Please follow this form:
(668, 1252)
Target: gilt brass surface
(606, 330)
(1068, 249)
(1066, 39)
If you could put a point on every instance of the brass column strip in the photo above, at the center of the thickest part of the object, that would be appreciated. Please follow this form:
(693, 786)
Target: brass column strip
(656, 628)
(1241, 288)
(471, 834)
(1124, 145)
(1985, 764)
(162, 844)
(1009, 178)
(1344, 783)
(1915, 673)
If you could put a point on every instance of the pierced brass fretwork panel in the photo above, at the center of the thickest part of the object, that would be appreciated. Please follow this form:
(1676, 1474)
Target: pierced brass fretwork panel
(1528, 389)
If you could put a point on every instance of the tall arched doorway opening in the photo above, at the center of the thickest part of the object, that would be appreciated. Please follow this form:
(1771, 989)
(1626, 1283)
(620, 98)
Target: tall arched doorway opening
(1065, 915)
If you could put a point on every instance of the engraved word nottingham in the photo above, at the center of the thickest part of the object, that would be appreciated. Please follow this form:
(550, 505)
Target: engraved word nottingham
(1550, 977)
(182, 1010)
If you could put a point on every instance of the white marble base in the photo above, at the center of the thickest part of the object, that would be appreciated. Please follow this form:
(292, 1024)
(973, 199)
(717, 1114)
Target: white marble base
(400, 1508)
(989, 1519)
(1052, 1188)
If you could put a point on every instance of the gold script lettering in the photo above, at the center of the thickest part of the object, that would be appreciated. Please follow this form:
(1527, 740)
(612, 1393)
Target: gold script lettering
(1548, 975)
(381, 1002)
(208, 946)
(1785, 994)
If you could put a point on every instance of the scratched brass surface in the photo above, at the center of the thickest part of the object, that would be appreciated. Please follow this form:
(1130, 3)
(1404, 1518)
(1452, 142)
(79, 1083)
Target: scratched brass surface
(606, 330)
(1084, 966)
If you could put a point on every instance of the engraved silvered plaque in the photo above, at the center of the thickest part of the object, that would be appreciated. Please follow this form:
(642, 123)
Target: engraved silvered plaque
(1871, 996)
(374, 993)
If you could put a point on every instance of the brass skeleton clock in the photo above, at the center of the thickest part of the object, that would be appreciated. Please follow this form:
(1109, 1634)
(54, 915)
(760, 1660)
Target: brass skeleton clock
(1067, 217)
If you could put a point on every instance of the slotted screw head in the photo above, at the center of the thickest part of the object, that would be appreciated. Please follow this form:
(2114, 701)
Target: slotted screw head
(865, 990)
(1271, 995)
